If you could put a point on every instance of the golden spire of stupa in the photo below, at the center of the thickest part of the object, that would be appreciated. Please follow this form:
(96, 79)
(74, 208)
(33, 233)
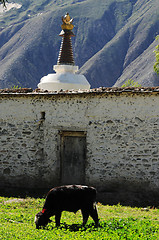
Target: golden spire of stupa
(67, 22)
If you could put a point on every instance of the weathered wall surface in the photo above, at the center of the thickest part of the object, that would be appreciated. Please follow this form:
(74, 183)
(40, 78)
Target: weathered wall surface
(122, 138)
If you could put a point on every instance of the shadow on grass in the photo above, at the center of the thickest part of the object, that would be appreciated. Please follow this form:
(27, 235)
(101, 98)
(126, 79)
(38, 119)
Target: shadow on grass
(131, 199)
(75, 227)
(114, 224)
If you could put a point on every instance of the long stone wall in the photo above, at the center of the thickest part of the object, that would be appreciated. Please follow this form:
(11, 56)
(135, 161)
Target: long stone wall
(122, 139)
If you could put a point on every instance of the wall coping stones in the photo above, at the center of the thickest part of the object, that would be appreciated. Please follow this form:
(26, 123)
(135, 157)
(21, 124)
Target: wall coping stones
(108, 90)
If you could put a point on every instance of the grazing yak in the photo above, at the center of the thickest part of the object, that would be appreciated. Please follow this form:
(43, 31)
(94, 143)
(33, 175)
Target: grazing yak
(68, 198)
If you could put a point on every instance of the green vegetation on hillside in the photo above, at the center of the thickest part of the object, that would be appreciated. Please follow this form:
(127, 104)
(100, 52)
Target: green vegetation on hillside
(116, 222)
(131, 83)
(156, 65)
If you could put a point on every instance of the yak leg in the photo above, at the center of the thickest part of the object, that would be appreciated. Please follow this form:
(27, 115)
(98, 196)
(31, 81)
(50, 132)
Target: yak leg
(85, 215)
(57, 218)
(94, 214)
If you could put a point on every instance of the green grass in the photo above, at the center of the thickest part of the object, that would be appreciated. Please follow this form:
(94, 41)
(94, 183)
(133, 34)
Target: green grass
(116, 222)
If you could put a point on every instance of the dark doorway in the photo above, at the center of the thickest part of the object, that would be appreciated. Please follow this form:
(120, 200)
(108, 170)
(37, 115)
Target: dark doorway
(73, 155)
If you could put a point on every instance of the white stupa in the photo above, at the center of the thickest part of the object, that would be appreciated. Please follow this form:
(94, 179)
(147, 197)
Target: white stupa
(65, 77)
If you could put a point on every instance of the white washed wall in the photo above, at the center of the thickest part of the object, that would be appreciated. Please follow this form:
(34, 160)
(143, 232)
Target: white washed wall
(122, 139)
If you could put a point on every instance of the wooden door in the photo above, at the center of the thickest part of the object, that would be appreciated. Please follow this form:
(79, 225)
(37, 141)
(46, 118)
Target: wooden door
(73, 154)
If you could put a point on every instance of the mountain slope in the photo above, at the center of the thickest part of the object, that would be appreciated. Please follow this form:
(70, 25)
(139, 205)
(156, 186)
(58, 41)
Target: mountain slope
(114, 39)
(114, 62)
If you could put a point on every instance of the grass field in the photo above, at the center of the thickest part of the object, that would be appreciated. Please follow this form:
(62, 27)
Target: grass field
(116, 222)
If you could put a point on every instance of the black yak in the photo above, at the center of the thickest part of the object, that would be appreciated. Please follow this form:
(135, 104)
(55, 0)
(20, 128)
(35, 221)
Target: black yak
(68, 198)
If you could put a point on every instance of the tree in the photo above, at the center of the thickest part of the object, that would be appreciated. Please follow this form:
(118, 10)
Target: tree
(156, 65)
(131, 83)
(3, 2)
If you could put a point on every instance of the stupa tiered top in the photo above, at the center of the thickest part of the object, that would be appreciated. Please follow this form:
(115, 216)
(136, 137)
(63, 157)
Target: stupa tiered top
(66, 53)
(65, 77)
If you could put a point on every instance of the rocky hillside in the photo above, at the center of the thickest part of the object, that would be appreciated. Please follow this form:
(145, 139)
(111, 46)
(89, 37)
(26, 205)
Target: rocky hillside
(114, 40)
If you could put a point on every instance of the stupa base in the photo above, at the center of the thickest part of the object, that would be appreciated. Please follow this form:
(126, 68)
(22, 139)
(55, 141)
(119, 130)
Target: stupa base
(65, 79)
